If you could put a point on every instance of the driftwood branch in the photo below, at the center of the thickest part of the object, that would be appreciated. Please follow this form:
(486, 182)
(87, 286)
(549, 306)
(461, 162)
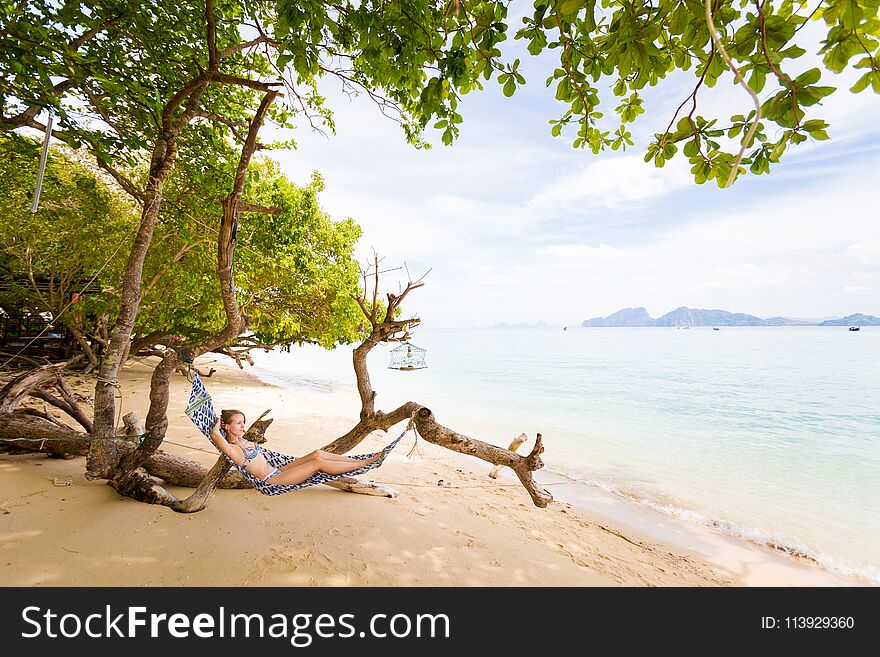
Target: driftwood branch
(393, 330)
(139, 485)
(20, 386)
(361, 487)
(523, 466)
(49, 398)
(75, 411)
(514, 445)
(199, 499)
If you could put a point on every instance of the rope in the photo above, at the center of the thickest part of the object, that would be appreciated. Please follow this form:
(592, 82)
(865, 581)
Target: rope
(116, 385)
(197, 449)
(400, 483)
(415, 448)
(139, 438)
(118, 437)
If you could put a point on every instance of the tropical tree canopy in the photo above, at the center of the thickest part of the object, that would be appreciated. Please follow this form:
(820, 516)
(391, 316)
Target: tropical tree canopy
(417, 58)
(71, 239)
(294, 273)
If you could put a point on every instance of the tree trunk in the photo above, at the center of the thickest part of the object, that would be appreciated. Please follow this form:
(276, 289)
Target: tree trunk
(523, 466)
(154, 433)
(199, 499)
(80, 337)
(127, 477)
(102, 456)
(19, 387)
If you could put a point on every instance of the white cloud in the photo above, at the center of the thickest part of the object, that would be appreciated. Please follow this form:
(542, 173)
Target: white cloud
(742, 276)
(519, 227)
(610, 184)
(583, 252)
(865, 253)
(852, 290)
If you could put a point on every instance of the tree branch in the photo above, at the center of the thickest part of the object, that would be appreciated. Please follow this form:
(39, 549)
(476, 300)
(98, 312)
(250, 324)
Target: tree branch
(212, 35)
(123, 181)
(232, 125)
(390, 330)
(523, 466)
(223, 78)
(245, 45)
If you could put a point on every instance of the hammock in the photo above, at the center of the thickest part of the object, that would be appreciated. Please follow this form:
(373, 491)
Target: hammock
(201, 411)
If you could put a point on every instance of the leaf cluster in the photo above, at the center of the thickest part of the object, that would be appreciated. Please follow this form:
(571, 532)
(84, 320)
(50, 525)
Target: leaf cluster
(71, 239)
(295, 271)
(110, 68)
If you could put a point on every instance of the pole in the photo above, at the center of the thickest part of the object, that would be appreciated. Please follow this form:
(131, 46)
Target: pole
(43, 157)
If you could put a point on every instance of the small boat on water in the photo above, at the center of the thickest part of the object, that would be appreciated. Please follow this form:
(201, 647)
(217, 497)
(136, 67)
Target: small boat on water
(715, 328)
(855, 328)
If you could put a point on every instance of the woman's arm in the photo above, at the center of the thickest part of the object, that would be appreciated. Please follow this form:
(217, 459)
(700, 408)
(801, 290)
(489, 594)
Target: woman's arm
(223, 445)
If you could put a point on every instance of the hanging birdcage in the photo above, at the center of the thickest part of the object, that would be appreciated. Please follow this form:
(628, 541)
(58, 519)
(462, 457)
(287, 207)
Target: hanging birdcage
(407, 357)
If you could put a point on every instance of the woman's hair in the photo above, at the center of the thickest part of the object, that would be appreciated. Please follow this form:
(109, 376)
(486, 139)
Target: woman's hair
(227, 415)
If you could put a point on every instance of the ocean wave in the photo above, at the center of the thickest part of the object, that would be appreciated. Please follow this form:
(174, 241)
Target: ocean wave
(775, 541)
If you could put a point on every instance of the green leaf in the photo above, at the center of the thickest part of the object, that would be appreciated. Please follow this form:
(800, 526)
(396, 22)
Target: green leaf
(685, 125)
(569, 7)
(757, 80)
(814, 124)
(862, 83)
(807, 78)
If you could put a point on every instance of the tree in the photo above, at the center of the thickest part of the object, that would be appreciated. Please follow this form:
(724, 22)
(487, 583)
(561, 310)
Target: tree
(48, 257)
(424, 55)
(295, 269)
(161, 87)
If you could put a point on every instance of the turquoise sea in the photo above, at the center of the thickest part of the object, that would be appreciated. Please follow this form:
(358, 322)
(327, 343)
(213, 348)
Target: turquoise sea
(770, 434)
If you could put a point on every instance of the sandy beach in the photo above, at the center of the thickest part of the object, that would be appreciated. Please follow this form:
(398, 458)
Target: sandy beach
(449, 525)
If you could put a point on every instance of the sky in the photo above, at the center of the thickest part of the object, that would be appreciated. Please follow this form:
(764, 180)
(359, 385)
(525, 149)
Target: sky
(518, 227)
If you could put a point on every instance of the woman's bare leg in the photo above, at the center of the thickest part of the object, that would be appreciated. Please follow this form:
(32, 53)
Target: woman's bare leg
(339, 458)
(318, 454)
(300, 470)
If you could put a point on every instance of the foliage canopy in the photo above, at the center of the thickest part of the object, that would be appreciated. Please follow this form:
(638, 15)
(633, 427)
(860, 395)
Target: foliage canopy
(417, 58)
(295, 270)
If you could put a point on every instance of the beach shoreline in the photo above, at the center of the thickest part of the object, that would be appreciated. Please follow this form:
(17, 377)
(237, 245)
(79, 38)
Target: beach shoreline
(450, 524)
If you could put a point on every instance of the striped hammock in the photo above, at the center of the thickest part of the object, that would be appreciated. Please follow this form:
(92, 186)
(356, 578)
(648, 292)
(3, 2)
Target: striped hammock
(200, 410)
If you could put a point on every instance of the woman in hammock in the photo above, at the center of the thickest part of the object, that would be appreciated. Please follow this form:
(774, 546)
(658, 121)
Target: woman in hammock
(248, 456)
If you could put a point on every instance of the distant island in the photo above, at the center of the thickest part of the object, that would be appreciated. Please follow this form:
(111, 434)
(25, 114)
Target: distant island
(700, 317)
